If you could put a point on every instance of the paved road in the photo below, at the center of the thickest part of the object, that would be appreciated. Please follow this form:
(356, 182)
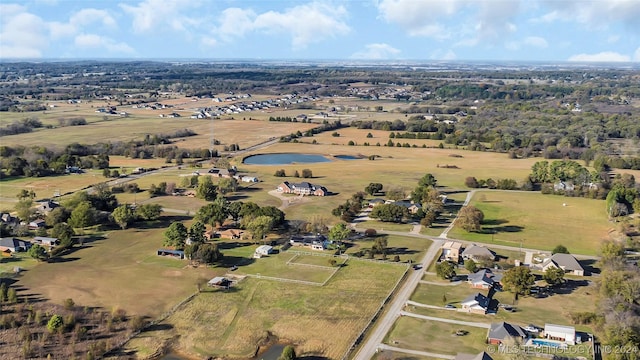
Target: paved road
(384, 347)
(394, 308)
(449, 321)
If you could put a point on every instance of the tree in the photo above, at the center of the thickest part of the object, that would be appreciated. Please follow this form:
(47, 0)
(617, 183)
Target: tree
(124, 216)
(288, 353)
(470, 265)
(25, 209)
(213, 214)
(445, 270)
(380, 245)
(280, 173)
(205, 253)
(234, 209)
(63, 232)
(149, 212)
(428, 219)
(206, 190)
(38, 252)
(428, 180)
(56, 216)
(307, 174)
(227, 185)
(196, 232)
(339, 232)
(276, 214)
(83, 215)
(175, 235)
(610, 251)
(470, 218)
(55, 324)
(260, 226)
(518, 280)
(373, 188)
(553, 276)
(389, 212)
(296, 174)
(471, 182)
(26, 194)
(559, 249)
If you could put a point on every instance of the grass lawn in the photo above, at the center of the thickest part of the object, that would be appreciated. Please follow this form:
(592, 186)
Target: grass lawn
(434, 336)
(391, 355)
(407, 247)
(45, 187)
(381, 225)
(275, 265)
(21, 260)
(539, 221)
(530, 310)
(231, 323)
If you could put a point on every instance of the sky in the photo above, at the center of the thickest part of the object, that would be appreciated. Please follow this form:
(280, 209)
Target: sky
(384, 30)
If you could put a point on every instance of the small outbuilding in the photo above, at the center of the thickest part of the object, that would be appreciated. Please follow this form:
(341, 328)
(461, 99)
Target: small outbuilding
(263, 250)
(566, 334)
(47, 241)
(177, 254)
(219, 282)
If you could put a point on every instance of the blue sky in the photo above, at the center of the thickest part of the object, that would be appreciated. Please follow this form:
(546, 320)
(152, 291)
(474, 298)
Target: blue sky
(521, 30)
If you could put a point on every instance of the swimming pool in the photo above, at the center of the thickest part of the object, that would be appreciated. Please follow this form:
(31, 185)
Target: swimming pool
(548, 343)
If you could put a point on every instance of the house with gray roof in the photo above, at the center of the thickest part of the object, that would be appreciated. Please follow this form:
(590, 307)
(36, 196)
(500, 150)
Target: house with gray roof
(484, 279)
(503, 331)
(13, 244)
(476, 303)
(566, 262)
(477, 253)
(482, 356)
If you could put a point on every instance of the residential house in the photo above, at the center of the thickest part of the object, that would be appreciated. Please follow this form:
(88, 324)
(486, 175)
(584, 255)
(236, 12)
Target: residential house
(14, 245)
(250, 179)
(45, 207)
(451, 251)
(476, 303)
(504, 332)
(412, 207)
(222, 173)
(47, 241)
(563, 186)
(566, 334)
(478, 253)
(482, 356)
(303, 188)
(36, 224)
(231, 234)
(314, 242)
(6, 218)
(566, 262)
(263, 250)
(484, 279)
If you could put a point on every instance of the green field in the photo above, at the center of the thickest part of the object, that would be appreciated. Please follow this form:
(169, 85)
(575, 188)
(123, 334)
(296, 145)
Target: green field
(436, 337)
(539, 221)
(406, 247)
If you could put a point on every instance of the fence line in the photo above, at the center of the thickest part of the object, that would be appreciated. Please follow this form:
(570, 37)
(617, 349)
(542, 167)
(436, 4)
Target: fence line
(375, 316)
(287, 280)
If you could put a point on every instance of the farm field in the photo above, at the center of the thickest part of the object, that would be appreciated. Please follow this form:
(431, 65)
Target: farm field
(406, 247)
(397, 167)
(539, 221)
(232, 322)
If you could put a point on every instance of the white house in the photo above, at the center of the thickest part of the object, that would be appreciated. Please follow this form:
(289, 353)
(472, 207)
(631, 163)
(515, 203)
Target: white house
(566, 334)
(263, 250)
(250, 179)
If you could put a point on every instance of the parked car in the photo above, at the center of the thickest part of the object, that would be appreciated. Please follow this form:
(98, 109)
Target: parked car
(531, 328)
(233, 268)
(449, 306)
(417, 267)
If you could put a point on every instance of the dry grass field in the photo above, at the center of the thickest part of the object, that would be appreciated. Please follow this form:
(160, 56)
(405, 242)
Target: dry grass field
(232, 322)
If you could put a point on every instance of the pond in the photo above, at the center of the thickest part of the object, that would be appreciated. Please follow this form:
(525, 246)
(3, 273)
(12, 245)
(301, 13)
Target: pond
(347, 157)
(284, 159)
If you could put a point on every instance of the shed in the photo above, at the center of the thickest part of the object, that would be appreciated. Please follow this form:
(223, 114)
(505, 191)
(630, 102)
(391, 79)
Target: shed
(567, 334)
(263, 250)
(178, 254)
(43, 240)
(219, 282)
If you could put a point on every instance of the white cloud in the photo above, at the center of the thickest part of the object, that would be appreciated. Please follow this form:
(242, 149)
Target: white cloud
(9, 10)
(636, 55)
(605, 56)
(612, 39)
(151, 15)
(420, 18)
(90, 16)
(23, 35)
(305, 24)
(376, 52)
(209, 41)
(594, 14)
(536, 41)
(494, 18)
(97, 41)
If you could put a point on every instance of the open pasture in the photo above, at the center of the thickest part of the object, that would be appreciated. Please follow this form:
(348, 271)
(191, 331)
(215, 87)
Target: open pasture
(406, 247)
(539, 221)
(396, 167)
(436, 337)
(359, 136)
(118, 269)
(232, 322)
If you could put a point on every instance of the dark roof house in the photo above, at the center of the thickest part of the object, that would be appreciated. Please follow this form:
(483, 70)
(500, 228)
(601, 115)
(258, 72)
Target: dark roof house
(13, 244)
(502, 331)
